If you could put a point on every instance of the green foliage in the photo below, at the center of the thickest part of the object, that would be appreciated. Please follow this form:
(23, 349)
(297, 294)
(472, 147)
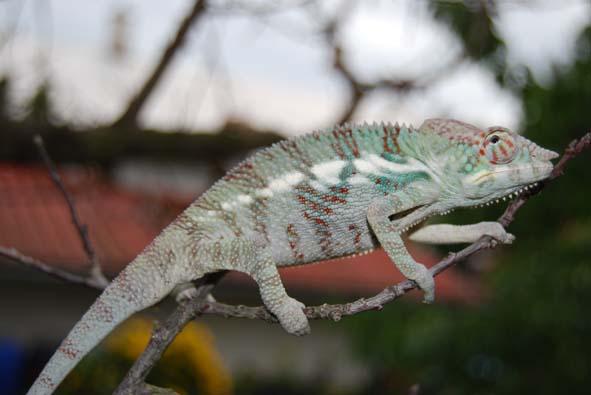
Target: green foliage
(532, 333)
(4, 89)
(39, 111)
(473, 25)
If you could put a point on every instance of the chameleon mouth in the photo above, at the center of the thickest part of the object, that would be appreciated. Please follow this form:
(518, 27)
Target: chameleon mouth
(511, 195)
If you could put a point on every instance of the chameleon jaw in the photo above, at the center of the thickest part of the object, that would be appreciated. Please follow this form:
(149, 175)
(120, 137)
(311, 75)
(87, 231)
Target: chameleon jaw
(510, 195)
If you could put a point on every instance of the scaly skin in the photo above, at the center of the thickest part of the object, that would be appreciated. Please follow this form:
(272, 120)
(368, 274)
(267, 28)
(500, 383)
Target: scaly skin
(329, 194)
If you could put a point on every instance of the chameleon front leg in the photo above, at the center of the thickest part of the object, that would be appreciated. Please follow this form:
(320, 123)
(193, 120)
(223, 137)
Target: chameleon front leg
(412, 205)
(451, 234)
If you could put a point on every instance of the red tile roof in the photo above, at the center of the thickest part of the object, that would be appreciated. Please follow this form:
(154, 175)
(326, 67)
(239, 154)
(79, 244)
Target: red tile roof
(35, 220)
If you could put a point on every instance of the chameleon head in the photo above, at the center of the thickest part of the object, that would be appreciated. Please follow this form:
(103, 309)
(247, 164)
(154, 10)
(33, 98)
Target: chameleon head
(491, 163)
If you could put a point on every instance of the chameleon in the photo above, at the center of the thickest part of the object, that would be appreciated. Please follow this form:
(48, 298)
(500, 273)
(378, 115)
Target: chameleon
(332, 193)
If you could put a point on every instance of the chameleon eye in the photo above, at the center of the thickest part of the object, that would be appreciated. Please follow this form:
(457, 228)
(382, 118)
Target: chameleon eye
(499, 147)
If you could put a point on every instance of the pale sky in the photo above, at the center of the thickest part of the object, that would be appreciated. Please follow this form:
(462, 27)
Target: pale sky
(272, 71)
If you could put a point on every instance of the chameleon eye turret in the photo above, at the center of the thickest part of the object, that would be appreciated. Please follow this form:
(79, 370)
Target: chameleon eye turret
(499, 146)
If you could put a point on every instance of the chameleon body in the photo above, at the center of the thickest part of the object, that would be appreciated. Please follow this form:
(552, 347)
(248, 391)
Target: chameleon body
(332, 193)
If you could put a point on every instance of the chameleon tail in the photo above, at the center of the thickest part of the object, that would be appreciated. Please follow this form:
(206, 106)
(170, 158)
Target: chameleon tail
(145, 281)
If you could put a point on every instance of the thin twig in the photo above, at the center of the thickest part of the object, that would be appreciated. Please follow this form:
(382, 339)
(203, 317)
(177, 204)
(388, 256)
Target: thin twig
(130, 115)
(358, 89)
(95, 269)
(162, 336)
(575, 148)
(53, 271)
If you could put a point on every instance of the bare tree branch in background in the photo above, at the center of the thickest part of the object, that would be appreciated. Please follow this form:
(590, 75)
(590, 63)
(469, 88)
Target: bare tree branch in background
(95, 274)
(14, 255)
(162, 336)
(359, 89)
(130, 115)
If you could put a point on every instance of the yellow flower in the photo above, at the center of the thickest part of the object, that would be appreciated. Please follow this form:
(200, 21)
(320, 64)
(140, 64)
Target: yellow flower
(193, 348)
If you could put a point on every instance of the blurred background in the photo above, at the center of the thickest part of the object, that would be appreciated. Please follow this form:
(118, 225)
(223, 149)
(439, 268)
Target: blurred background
(143, 104)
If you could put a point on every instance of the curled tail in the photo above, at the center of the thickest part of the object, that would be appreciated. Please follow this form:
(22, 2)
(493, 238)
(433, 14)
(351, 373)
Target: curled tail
(145, 281)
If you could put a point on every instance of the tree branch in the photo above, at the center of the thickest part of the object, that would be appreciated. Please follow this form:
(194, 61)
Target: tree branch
(359, 89)
(130, 115)
(61, 274)
(162, 336)
(96, 274)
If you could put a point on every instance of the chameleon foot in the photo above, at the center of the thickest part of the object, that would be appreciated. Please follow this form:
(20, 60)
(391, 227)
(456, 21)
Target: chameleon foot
(499, 234)
(425, 281)
(292, 318)
(184, 292)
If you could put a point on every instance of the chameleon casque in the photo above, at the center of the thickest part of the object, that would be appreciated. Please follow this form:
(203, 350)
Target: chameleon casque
(333, 193)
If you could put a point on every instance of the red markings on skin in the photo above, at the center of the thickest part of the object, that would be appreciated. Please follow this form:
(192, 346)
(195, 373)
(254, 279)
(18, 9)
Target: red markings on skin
(324, 233)
(267, 154)
(313, 205)
(293, 239)
(186, 223)
(244, 173)
(503, 150)
(320, 221)
(345, 136)
(47, 381)
(337, 147)
(495, 157)
(333, 199)
(325, 240)
(316, 220)
(68, 350)
(103, 311)
(122, 283)
(357, 240)
(391, 135)
(352, 143)
(292, 148)
(482, 152)
(385, 140)
(510, 144)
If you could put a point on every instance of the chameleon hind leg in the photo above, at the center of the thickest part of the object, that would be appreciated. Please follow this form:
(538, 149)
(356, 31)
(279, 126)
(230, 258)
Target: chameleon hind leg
(245, 256)
(288, 310)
